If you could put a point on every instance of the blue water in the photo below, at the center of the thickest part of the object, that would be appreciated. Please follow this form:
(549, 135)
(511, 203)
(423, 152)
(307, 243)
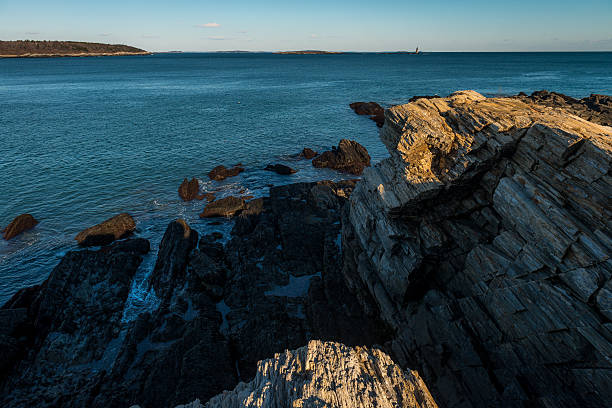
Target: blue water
(82, 139)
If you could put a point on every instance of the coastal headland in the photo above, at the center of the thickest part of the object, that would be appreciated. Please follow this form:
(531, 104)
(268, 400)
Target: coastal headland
(42, 49)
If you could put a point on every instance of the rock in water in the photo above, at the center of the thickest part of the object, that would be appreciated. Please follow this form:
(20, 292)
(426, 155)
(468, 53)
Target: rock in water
(308, 153)
(348, 157)
(280, 169)
(20, 224)
(221, 172)
(485, 239)
(328, 374)
(117, 227)
(224, 207)
(188, 190)
(372, 109)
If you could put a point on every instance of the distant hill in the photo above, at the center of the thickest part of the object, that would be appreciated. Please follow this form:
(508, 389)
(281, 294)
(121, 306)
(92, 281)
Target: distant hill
(29, 48)
(308, 52)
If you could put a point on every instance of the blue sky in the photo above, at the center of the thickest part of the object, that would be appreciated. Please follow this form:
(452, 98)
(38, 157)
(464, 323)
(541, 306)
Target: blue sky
(350, 25)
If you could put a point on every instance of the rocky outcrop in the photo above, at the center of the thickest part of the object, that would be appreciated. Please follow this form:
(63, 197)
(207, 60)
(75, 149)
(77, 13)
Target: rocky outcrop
(189, 190)
(308, 153)
(20, 224)
(594, 108)
(348, 157)
(224, 207)
(117, 227)
(280, 169)
(485, 241)
(220, 173)
(372, 109)
(61, 329)
(327, 374)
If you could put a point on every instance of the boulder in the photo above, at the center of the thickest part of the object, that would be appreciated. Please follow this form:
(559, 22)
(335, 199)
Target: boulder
(188, 190)
(308, 153)
(20, 224)
(280, 169)
(348, 157)
(328, 374)
(223, 207)
(117, 227)
(221, 172)
(372, 109)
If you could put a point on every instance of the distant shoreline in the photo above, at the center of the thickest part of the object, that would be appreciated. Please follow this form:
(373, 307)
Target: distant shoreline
(95, 54)
(52, 49)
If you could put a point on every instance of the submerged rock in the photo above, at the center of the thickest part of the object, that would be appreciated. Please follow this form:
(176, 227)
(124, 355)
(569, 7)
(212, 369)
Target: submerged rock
(20, 224)
(117, 227)
(188, 190)
(327, 374)
(348, 157)
(485, 240)
(223, 207)
(280, 169)
(308, 153)
(221, 172)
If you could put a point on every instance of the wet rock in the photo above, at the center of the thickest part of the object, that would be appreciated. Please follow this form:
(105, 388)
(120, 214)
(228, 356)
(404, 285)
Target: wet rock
(189, 190)
(280, 169)
(485, 240)
(117, 227)
(223, 207)
(348, 157)
(327, 374)
(221, 172)
(70, 320)
(209, 196)
(372, 109)
(308, 153)
(20, 224)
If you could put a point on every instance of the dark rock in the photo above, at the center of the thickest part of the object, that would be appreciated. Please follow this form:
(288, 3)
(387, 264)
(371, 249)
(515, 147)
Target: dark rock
(188, 190)
(107, 231)
(20, 224)
(374, 110)
(417, 97)
(348, 157)
(224, 207)
(221, 172)
(209, 197)
(280, 169)
(308, 153)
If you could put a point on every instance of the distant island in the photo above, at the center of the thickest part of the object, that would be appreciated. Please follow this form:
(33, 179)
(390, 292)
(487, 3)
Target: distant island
(308, 52)
(32, 49)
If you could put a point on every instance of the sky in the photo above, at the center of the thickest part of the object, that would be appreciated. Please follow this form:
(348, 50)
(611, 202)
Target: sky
(334, 25)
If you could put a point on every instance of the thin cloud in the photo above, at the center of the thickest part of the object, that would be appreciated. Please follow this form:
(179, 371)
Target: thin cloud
(314, 36)
(104, 34)
(209, 25)
(32, 33)
(150, 36)
(218, 38)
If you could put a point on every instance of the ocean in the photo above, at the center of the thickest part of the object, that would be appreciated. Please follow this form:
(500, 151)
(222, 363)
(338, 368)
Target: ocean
(82, 139)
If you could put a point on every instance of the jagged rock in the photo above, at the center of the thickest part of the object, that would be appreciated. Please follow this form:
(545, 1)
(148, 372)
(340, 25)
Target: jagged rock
(417, 97)
(327, 374)
(308, 153)
(71, 318)
(188, 190)
(117, 227)
(372, 109)
(224, 207)
(221, 172)
(20, 224)
(209, 196)
(280, 169)
(348, 157)
(485, 240)
(594, 108)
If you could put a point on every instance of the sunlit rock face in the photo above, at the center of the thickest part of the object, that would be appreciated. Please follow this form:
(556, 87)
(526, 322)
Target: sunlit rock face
(485, 240)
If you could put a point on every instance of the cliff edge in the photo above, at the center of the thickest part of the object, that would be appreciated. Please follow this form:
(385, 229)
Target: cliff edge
(485, 240)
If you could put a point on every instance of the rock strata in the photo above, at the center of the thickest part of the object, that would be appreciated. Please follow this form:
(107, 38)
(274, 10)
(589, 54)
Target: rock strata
(20, 224)
(107, 231)
(348, 157)
(223, 207)
(280, 169)
(485, 240)
(220, 173)
(327, 374)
